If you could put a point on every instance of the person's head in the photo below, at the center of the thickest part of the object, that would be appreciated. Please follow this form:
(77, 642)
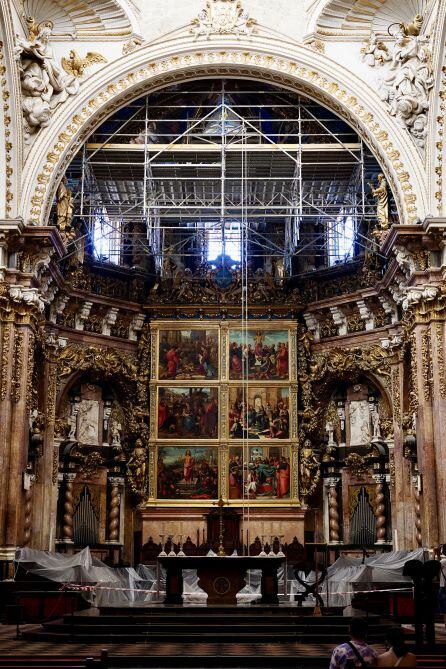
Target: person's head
(395, 639)
(358, 629)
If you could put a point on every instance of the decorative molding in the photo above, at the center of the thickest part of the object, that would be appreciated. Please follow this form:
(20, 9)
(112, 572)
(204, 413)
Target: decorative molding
(440, 359)
(9, 189)
(222, 17)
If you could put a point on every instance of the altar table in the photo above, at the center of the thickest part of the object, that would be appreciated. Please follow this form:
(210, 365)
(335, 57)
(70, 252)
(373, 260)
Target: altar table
(221, 578)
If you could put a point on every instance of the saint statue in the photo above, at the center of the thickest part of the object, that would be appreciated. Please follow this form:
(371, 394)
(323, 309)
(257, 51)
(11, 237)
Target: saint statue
(137, 468)
(381, 195)
(308, 468)
(64, 206)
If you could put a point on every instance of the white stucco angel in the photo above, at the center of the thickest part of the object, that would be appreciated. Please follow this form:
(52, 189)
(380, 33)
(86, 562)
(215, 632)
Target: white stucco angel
(374, 51)
(44, 84)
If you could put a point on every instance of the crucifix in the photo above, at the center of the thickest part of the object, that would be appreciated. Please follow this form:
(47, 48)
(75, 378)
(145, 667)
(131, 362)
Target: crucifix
(221, 503)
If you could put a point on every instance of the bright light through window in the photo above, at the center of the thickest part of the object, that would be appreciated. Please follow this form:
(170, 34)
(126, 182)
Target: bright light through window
(341, 239)
(232, 241)
(107, 239)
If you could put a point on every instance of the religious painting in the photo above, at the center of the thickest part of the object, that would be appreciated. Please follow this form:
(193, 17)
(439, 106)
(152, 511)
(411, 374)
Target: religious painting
(260, 355)
(264, 472)
(259, 412)
(188, 354)
(187, 473)
(187, 412)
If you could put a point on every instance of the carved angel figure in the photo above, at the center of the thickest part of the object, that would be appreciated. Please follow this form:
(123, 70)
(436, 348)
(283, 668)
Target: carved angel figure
(374, 51)
(76, 65)
(44, 84)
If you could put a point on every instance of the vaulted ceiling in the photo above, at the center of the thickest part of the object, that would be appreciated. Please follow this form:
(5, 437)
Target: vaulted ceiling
(360, 17)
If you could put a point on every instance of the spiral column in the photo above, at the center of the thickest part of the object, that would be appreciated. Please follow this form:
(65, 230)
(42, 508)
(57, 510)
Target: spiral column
(333, 510)
(68, 509)
(417, 510)
(380, 509)
(114, 512)
(28, 512)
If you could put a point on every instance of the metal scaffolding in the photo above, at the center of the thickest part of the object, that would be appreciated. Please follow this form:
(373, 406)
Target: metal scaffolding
(186, 162)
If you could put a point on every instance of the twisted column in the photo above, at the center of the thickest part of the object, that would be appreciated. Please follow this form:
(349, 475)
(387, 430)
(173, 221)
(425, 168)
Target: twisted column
(333, 513)
(380, 509)
(417, 509)
(68, 509)
(114, 514)
(27, 513)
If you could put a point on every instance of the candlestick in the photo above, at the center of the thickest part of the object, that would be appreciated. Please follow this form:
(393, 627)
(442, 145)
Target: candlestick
(271, 551)
(181, 553)
(262, 552)
(172, 548)
(163, 546)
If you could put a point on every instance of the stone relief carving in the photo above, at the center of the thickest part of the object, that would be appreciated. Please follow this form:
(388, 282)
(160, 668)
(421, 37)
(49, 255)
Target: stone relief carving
(88, 421)
(409, 79)
(44, 84)
(359, 414)
(222, 17)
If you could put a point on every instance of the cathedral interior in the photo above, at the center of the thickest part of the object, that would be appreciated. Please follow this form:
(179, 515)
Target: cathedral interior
(222, 284)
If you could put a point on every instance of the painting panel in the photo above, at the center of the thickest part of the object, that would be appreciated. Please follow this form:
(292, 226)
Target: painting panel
(187, 412)
(187, 473)
(188, 354)
(260, 355)
(266, 474)
(259, 412)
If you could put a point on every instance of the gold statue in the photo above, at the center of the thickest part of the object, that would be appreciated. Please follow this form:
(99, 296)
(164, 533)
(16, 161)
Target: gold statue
(309, 469)
(137, 468)
(76, 65)
(64, 206)
(381, 195)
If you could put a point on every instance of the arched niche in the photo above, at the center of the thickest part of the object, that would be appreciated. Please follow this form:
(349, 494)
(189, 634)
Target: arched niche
(153, 67)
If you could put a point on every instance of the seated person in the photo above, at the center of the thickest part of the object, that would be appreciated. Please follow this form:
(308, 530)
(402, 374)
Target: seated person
(398, 654)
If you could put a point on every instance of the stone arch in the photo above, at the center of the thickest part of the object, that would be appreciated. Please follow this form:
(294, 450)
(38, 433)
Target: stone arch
(287, 64)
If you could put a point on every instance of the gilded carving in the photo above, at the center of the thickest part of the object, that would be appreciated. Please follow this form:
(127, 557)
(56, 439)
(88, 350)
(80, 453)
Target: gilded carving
(396, 397)
(30, 390)
(76, 65)
(426, 363)
(110, 361)
(5, 358)
(295, 491)
(357, 465)
(9, 193)
(440, 359)
(16, 381)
